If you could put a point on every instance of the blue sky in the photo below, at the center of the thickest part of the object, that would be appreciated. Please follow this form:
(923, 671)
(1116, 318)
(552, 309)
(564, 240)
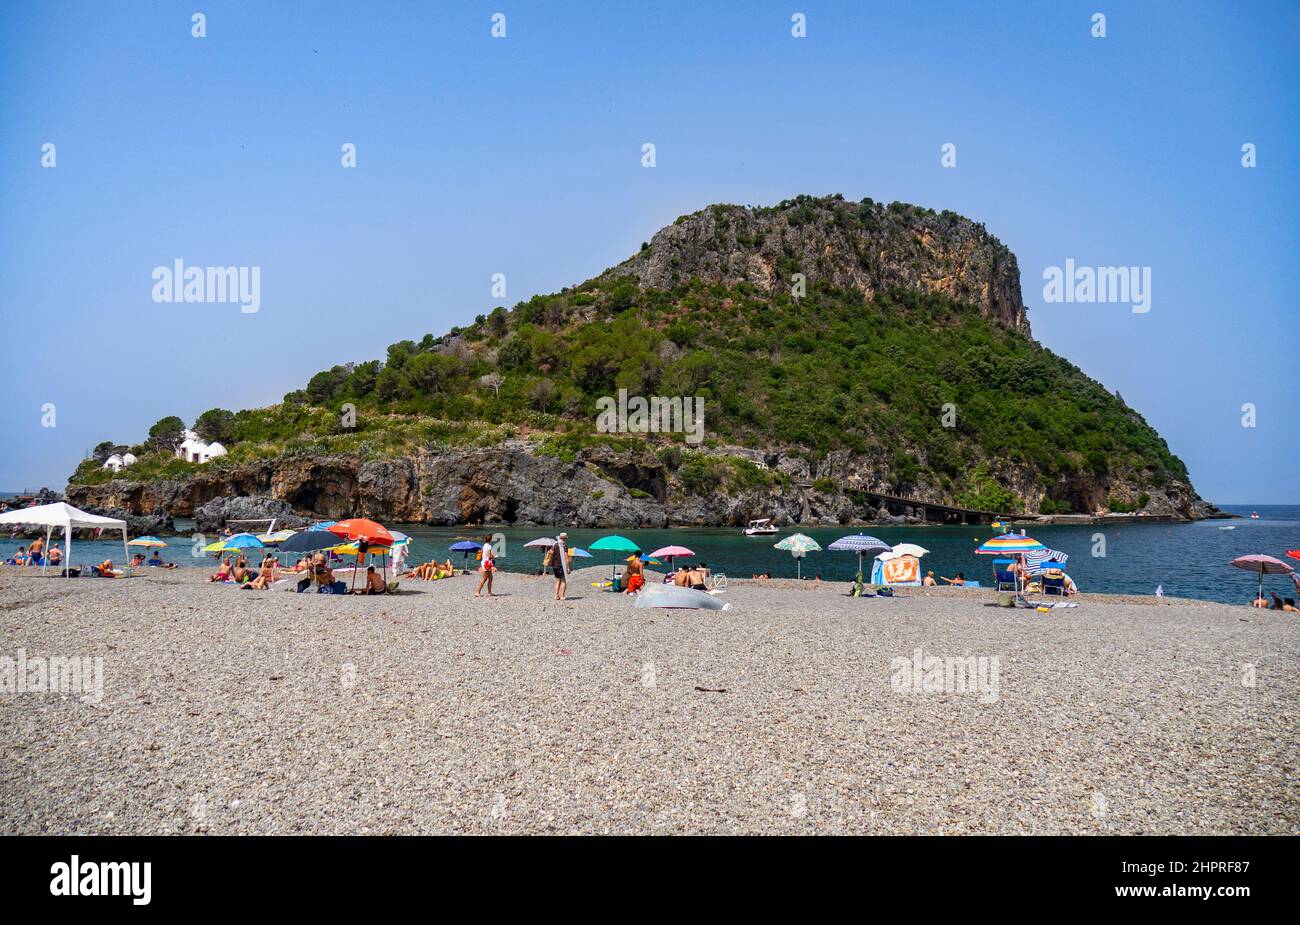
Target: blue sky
(522, 156)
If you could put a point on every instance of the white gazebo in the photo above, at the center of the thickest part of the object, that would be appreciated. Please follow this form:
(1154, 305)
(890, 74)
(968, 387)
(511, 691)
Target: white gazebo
(65, 517)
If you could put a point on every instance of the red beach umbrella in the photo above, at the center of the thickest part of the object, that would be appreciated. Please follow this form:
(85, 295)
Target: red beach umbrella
(1293, 553)
(358, 528)
(362, 530)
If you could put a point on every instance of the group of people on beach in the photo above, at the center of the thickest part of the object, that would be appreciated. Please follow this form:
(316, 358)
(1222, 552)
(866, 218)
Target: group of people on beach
(314, 570)
(1285, 604)
(34, 554)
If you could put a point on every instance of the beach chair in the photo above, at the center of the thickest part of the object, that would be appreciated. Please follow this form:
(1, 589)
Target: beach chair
(1053, 582)
(716, 583)
(1004, 579)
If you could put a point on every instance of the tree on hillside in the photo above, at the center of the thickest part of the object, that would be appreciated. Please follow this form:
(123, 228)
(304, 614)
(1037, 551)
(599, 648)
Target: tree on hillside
(167, 434)
(216, 425)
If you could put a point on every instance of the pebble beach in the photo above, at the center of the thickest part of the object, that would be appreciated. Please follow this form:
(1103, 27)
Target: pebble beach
(225, 711)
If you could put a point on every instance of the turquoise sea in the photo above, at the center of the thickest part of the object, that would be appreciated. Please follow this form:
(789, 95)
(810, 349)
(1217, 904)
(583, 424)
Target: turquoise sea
(1188, 560)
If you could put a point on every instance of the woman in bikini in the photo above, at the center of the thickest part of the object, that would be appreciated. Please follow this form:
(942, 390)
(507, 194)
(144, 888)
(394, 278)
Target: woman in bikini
(487, 568)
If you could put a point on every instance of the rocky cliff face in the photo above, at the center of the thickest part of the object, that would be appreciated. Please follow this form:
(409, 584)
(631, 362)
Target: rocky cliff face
(865, 246)
(512, 484)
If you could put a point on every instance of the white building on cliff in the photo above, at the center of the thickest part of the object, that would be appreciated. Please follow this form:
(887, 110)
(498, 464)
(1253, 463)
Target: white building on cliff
(193, 449)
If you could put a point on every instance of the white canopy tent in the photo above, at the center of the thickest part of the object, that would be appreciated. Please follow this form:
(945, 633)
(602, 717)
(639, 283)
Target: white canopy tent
(67, 518)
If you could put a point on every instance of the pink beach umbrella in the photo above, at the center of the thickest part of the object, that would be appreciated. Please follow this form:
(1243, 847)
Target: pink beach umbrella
(670, 553)
(1262, 565)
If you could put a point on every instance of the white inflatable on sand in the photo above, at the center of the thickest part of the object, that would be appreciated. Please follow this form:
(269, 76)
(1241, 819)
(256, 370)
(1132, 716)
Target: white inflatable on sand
(673, 596)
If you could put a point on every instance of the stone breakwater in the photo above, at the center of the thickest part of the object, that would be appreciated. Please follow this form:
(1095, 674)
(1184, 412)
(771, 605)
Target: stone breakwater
(236, 712)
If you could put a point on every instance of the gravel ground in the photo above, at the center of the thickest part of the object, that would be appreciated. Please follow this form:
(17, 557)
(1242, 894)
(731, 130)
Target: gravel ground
(225, 711)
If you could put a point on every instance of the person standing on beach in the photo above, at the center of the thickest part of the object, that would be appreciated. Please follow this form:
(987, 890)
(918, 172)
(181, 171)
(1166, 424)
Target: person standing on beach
(487, 567)
(557, 560)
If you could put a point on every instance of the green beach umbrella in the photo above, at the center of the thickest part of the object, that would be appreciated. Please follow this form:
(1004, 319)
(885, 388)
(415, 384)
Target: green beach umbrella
(614, 543)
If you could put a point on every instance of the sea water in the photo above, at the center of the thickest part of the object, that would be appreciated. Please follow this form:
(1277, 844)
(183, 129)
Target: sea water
(1186, 559)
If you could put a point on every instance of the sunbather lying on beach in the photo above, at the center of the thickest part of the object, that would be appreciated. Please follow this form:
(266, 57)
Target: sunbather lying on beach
(1261, 602)
(105, 569)
(157, 562)
(223, 573)
(958, 581)
(432, 570)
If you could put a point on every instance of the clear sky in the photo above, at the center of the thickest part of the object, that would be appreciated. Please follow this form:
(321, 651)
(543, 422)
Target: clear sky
(522, 155)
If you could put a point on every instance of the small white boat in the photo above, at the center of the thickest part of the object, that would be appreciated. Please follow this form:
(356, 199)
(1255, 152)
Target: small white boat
(1233, 527)
(673, 597)
(1254, 515)
(761, 527)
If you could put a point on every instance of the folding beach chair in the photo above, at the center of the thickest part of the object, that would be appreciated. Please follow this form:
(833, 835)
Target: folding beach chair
(1004, 579)
(1053, 582)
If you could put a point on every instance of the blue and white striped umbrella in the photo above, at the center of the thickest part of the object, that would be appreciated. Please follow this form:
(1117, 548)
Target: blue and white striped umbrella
(859, 543)
(1040, 560)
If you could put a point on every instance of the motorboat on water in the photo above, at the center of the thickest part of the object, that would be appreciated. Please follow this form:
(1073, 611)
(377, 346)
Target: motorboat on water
(1254, 515)
(761, 527)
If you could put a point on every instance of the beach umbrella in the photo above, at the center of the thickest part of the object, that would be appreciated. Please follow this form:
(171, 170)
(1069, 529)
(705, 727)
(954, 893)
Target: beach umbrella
(1037, 559)
(672, 552)
(218, 546)
(465, 547)
(614, 543)
(798, 545)
(309, 541)
(358, 528)
(1013, 543)
(860, 544)
(581, 553)
(365, 533)
(1262, 565)
(276, 538)
(323, 525)
(150, 541)
(542, 542)
(242, 541)
(1293, 553)
(908, 549)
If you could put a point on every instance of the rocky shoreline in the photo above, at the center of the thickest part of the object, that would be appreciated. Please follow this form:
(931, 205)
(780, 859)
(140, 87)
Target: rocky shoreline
(513, 484)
